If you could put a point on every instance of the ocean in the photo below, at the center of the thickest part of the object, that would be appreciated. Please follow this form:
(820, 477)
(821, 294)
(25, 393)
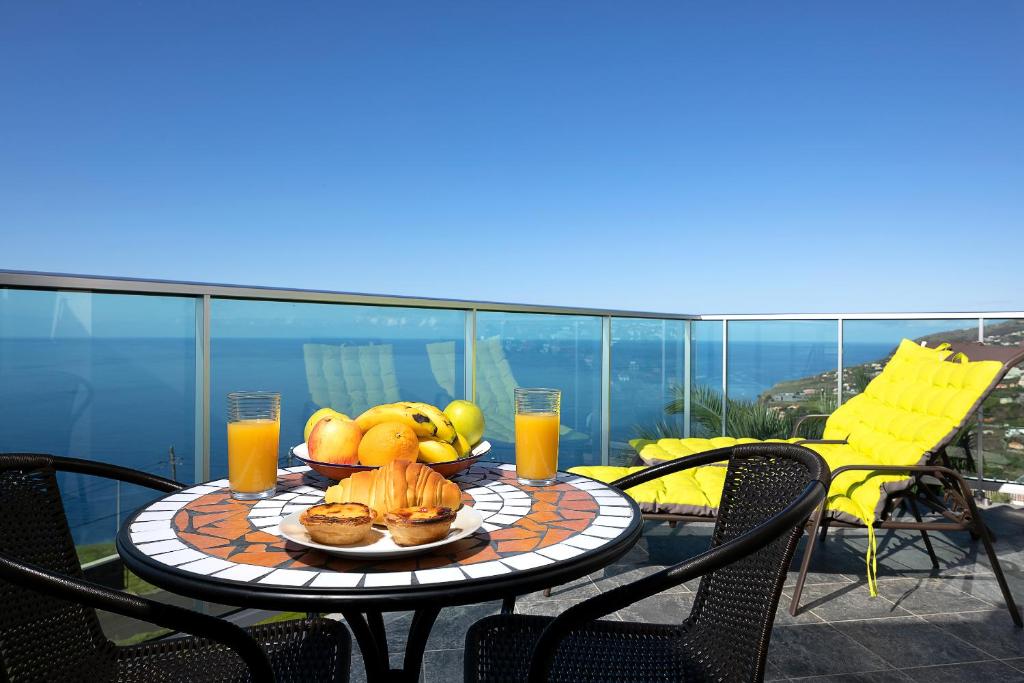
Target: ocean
(131, 401)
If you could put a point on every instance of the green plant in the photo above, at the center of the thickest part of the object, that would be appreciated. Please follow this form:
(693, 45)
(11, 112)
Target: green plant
(754, 419)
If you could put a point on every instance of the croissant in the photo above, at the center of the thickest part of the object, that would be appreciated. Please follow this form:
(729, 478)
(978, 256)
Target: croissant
(398, 484)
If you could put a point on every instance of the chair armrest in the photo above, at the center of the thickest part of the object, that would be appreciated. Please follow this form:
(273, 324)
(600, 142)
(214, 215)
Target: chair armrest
(793, 515)
(35, 578)
(89, 467)
(671, 467)
(804, 418)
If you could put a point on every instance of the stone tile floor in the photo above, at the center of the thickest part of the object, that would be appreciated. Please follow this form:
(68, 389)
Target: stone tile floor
(931, 625)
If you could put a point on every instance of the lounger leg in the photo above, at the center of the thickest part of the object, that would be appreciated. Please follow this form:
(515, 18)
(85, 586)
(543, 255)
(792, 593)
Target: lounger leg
(912, 504)
(671, 524)
(824, 531)
(547, 592)
(819, 519)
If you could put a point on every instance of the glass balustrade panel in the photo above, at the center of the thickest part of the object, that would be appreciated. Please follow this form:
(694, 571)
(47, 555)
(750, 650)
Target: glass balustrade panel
(1003, 411)
(346, 357)
(539, 350)
(706, 339)
(779, 370)
(646, 383)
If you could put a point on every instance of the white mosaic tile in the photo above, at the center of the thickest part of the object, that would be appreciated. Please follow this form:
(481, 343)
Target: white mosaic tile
(619, 522)
(561, 551)
(288, 577)
(589, 485)
(526, 561)
(602, 531)
(608, 511)
(307, 499)
(441, 575)
(487, 505)
(578, 480)
(336, 580)
(508, 467)
(243, 572)
(482, 569)
(489, 527)
(147, 536)
(307, 489)
(164, 505)
(515, 510)
(264, 512)
(156, 515)
(587, 542)
(504, 519)
(152, 526)
(202, 489)
(285, 496)
(207, 566)
(479, 491)
(272, 530)
(614, 500)
(159, 547)
(179, 557)
(266, 521)
(181, 497)
(487, 497)
(219, 484)
(504, 488)
(388, 579)
(289, 509)
(515, 495)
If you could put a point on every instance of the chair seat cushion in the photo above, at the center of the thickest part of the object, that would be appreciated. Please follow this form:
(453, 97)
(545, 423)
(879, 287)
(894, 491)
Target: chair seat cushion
(299, 651)
(496, 649)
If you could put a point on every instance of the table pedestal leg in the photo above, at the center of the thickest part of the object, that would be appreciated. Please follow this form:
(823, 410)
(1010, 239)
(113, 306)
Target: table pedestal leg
(369, 632)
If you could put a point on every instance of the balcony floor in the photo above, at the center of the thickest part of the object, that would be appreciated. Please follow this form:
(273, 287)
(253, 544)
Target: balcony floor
(947, 625)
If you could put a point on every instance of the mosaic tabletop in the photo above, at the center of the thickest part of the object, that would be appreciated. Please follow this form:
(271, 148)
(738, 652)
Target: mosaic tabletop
(203, 533)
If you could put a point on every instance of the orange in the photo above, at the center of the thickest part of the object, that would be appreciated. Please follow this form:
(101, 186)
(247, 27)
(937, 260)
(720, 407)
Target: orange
(387, 442)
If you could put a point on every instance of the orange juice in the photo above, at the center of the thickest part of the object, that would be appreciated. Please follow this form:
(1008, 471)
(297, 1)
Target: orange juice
(252, 455)
(536, 445)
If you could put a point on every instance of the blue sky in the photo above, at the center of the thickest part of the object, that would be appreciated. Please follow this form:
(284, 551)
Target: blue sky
(761, 157)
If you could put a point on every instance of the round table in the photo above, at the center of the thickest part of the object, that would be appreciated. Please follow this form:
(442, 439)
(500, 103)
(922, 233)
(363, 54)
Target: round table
(202, 543)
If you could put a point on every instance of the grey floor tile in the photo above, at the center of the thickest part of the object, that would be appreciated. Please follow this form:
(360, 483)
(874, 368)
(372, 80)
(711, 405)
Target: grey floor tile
(884, 676)
(442, 666)
(844, 601)
(983, 586)
(928, 596)
(991, 631)
(664, 608)
(449, 631)
(1016, 663)
(817, 650)
(804, 615)
(623, 574)
(578, 590)
(544, 608)
(910, 641)
(967, 673)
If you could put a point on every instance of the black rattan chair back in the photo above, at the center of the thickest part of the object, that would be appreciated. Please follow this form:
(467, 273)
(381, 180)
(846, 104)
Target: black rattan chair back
(734, 608)
(37, 632)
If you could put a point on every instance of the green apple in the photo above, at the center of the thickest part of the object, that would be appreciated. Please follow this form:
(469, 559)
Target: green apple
(468, 420)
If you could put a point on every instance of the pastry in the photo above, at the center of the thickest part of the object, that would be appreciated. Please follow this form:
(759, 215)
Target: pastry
(338, 523)
(398, 484)
(419, 524)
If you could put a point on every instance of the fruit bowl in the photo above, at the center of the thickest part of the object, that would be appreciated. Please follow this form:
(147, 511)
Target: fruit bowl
(335, 471)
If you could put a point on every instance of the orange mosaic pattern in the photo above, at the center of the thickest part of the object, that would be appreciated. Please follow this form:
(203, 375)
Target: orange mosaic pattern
(524, 527)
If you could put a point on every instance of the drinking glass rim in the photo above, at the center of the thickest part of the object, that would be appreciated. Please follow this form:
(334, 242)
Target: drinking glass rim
(253, 394)
(538, 390)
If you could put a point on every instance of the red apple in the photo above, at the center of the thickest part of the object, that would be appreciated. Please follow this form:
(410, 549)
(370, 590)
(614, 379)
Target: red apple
(335, 441)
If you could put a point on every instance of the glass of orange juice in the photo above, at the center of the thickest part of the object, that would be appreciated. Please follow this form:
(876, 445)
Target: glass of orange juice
(537, 420)
(254, 425)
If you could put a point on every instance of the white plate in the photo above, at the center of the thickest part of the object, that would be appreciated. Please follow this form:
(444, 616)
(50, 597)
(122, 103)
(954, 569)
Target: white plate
(379, 544)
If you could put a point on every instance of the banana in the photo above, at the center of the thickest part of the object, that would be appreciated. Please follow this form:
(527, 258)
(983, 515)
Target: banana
(425, 423)
(432, 451)
(445, 429)
(462, 446)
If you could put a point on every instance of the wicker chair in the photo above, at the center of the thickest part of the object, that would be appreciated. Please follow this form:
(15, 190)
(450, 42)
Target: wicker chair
(48, 625)
(770, 491)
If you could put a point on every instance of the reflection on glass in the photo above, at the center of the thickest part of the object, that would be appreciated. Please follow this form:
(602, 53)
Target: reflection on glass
(778, 371)
(869, 344)
(646, 374)
(342, 356)
(1003, 431)
(558, 351)
(706, 341)
(107, 377)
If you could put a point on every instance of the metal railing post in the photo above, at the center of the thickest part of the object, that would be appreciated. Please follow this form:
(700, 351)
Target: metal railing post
(606, 388)
(980, 462)
(469, 357)
(725, 375)
(201, 453)
(839, 362)
(687, 340)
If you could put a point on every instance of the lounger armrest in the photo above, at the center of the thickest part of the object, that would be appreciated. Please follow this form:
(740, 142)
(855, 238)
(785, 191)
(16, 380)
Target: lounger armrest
(965, 489)
(793, 515)
(671, 467)
(83, 592)
(813, 416)
(89, 467)
(837, 442)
